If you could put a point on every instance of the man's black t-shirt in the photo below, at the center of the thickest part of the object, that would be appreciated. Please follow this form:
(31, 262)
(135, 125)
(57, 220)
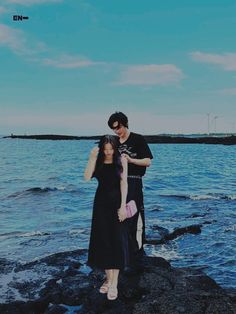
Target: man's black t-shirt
(136, 147)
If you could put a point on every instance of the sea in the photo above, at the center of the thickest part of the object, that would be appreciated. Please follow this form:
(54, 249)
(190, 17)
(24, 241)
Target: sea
(46, 206)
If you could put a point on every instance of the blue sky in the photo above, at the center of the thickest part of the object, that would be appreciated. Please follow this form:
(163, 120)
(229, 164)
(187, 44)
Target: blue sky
(166, 64)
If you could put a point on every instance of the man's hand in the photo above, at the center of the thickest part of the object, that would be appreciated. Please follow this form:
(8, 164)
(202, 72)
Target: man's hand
(127, 157)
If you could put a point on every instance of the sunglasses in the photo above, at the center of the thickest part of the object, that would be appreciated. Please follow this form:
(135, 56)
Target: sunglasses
(117, 127)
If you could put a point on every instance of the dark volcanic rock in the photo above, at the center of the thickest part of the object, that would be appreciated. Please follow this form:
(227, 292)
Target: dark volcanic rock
(6, 266)
(163, 234)
(56, 309)
(159, 288)
(226, 140)
(194, 229)
(164, 139)
(53, 137)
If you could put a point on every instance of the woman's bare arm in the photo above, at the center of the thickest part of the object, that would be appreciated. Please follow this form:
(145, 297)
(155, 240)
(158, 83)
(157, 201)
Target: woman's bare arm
(88, 173)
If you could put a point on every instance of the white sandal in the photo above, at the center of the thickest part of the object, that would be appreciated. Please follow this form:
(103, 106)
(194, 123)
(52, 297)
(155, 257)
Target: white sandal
(112, 293)
(105, 287)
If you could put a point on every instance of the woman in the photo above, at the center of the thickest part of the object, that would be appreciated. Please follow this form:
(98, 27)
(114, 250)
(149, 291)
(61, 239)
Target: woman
(108, 247)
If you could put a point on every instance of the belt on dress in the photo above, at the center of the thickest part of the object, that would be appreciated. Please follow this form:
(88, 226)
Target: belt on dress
(135, 177)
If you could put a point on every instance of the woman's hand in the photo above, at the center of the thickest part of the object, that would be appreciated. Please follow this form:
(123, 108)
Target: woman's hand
(122, 214)
(94, 153)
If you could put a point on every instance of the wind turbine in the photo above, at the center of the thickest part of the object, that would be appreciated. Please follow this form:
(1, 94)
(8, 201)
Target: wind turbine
(215, 118)
(208, 124)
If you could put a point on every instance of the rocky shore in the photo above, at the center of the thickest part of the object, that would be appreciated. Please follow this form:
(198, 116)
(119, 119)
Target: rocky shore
(164, 139)
(62, 283)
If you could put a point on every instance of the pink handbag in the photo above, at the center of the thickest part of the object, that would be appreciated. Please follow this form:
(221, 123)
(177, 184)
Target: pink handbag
(131, 209)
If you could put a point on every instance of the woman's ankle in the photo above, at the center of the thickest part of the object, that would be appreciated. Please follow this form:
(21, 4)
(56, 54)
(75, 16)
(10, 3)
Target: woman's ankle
(114, 284)
(109, 276)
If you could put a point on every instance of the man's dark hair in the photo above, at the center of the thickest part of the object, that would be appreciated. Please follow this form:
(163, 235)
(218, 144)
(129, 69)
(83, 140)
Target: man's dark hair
(119, 117)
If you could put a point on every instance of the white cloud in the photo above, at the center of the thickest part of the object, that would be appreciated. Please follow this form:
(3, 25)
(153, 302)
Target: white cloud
(3, 10)
(227, 60)
(32, 2)
(13, 39)
(69, 62)
(228, 91)
(150, 74)
(18, 42)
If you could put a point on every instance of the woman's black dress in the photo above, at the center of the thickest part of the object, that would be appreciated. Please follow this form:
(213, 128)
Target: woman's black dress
(108, 247)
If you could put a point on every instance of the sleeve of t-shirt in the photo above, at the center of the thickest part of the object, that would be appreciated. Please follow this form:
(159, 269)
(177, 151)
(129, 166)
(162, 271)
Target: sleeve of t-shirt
(143, 148)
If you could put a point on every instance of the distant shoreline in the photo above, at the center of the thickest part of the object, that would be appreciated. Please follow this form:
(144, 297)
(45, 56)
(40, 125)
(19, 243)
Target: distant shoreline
(151, 139)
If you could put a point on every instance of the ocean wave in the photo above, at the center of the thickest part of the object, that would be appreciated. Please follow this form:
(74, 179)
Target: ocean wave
(46, 189)
(35, 233)
(230, 228)
(185, 197)
(229, 263)
(156, 209)
(76, 232)
(214, 197)
(39, 190)
(202, 197)
(232, 197)
(35, 190)
(20, 234)
(11, 234)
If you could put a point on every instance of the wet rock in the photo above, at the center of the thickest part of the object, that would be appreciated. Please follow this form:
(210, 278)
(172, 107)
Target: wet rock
(158, 288)
(158, 232)
(163, 234)
(6, 266)
(56, 309)
(194, 229)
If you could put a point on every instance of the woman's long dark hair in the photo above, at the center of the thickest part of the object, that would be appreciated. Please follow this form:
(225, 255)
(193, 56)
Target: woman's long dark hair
(108, 139)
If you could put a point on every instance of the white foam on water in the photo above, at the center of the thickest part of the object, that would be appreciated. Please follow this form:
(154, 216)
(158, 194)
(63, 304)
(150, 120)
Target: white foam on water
(37, 276)
(232, 197)
(76, 231)
(230, 228)
(204, 197)
(165, 251)
(212, 197)
(6, 291)
(34, 233)
(61, 188)
(85, 269)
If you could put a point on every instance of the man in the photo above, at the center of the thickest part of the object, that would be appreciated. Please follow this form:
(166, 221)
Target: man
(134, 147)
